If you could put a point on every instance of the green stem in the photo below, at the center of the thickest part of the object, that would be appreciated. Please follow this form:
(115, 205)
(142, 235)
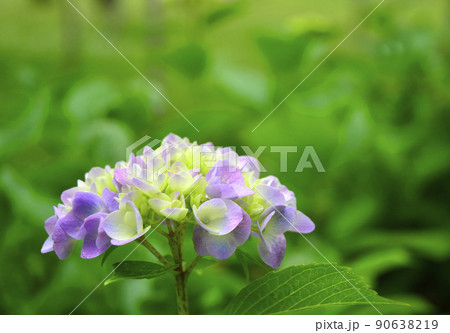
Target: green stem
(176, 245)
(182, 297)
(192, 265)
(175, 236)
(154, 251)
(162, 232)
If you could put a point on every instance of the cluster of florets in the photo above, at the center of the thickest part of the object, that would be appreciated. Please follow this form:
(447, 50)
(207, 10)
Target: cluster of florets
(215, 190)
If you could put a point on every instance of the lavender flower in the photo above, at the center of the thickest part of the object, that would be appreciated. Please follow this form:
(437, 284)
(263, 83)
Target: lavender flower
(216, 190)
(223, 226)
(125, 224)
(272, 225)
(226, 181)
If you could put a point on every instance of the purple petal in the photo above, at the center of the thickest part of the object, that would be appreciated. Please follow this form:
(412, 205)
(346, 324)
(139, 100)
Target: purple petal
(220, 247)
(289, 196)
(92, 222)
(109, 198)
(228, 191)
(228, 155)
(94, 173)
(50, 224)
(241, 233)
(270, 194)
(145, 187)
(219, 216)
(67, 195)
(139, 223)
(172, 139)
(272, 250)
(224, 191)
(85, 204)
(274, 182)
(121, 176)
(61, 210)
(48, 245)
(96, 241)
(199, 238)
(302, 223)
(103, 240)
(71, 224)
(282, 220)
(63, 244)
(90, 249)
(224, 173)
(265, 217)
(249, 164)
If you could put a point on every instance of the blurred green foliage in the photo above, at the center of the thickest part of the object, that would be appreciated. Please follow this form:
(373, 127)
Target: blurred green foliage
(376, 112)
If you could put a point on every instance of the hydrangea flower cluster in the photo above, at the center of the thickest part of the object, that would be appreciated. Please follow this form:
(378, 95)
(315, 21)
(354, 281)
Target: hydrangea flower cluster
(220, 193)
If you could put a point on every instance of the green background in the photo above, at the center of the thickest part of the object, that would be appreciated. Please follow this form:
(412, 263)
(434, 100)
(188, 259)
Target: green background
(376, 112)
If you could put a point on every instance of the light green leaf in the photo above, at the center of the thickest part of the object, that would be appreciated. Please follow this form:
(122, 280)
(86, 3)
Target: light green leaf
(247, 85)
(29, 203)
(92, 98)
(304, 287)
(431, 243)
(105, 139)
(375, 263)
(27, 129)
(137, 270)
(353, 216)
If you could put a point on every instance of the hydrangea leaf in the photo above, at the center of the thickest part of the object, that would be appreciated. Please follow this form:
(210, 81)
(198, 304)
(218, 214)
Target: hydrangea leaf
(246, 258)
(137, 270)
(303, 287)
(91, 99)
(206, 262)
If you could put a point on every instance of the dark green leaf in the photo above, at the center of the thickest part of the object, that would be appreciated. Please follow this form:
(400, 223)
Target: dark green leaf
(246, 259)
(303, 287)
(244, 262)
(206, 262)
(220, 14)
(137, 270)
(169, 258)
(189, 60)
(282, 53)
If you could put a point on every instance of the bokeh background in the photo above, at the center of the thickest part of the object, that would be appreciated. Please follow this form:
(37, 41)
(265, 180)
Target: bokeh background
(376, 112)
